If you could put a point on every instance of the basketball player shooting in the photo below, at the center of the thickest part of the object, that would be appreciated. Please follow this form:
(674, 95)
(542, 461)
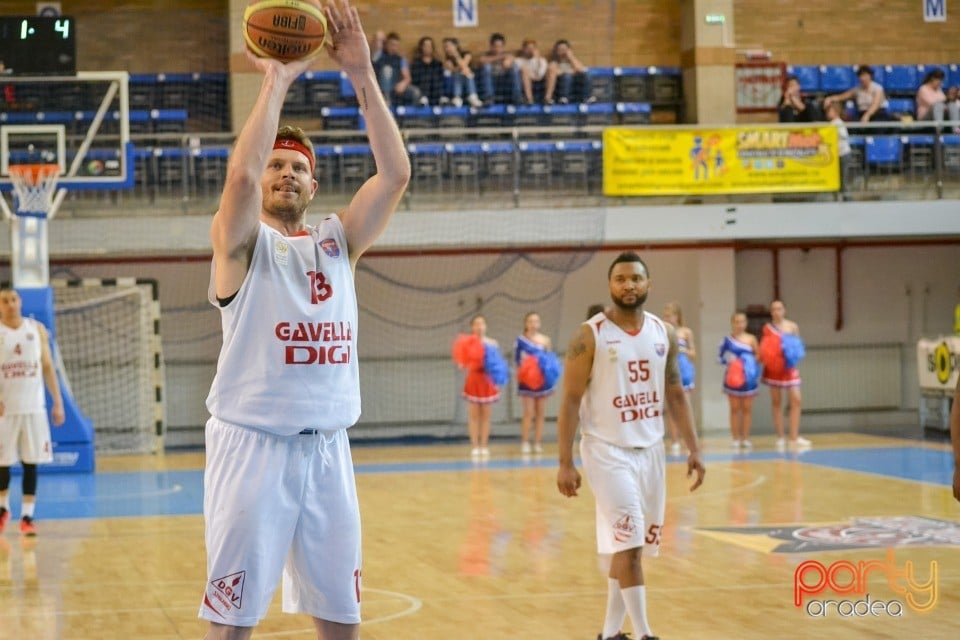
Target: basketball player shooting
(621, 368)
(279, 490)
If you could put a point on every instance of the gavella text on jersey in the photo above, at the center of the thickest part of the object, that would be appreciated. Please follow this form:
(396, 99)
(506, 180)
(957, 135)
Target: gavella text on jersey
(316, 342)
(638, 406)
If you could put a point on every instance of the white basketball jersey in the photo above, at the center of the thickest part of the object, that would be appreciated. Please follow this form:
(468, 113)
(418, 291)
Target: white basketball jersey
(21, 369)
(289, 355)
(623, 404)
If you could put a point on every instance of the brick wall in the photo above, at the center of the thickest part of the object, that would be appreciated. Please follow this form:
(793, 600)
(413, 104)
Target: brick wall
(848, 32)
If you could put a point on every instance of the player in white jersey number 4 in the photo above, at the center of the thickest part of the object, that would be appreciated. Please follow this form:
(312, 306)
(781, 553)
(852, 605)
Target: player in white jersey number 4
(621, 374)
(279, 492)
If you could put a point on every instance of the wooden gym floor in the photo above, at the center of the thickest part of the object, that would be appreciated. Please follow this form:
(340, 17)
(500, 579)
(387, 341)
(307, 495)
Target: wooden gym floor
(457, 549)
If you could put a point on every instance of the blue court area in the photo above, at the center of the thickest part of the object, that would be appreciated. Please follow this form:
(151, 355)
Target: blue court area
(159, 493)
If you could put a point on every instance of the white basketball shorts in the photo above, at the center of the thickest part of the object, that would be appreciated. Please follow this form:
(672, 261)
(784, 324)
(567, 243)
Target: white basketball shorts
(25, 437)
(280, 505)
(630, 486)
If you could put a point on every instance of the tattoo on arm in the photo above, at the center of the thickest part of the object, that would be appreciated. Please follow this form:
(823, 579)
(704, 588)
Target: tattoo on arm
(577, 348)
(673, 364)
(363, 94)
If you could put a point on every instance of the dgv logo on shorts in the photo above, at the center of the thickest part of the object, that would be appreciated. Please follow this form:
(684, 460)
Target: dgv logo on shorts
(227, 592)
(624, 529)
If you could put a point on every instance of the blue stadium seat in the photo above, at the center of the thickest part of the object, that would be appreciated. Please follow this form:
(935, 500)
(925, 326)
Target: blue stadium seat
(836, 78)
(426, 162)
(526, 115)
(884, 150)
(807, 75)
(900, 78)
(953, 77)
(496, 115)
(599, 114)
(631, 84)
(346, 87)
(901, 106)
(601, 83)
(322, 88)
(340, 118)
(536, 162)
(418, 117)
(633, 112)
(561, 115)
(454, 117)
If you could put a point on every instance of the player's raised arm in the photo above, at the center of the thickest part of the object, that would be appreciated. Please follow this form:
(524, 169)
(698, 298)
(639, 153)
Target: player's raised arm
(678, 406)
(234, 228)
(368, 213)
(576, 375)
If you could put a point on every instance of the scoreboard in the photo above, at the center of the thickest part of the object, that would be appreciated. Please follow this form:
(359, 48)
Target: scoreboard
(38, 45)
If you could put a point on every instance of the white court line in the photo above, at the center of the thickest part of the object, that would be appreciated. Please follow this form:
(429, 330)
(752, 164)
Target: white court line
(414, 605)
(177, 488)
(759, 480)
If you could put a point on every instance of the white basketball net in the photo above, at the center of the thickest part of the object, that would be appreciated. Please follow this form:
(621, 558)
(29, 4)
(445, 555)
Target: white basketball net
(34, 186)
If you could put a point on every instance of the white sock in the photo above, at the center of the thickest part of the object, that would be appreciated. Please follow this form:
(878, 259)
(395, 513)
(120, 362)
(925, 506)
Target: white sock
(616, 611)
(26, 511)
(635, 600)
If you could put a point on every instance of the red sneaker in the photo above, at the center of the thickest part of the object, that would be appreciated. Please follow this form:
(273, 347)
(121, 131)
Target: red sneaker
(4, 516)
(27, 527)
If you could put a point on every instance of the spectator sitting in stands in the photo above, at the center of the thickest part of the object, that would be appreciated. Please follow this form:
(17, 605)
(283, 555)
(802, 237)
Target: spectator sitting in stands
(869, 97)
(393, 72)
(533, 69)
(457, 63)
(426, 72)
(793, 106)
(932, 102)
(567, 76)
(499, 76)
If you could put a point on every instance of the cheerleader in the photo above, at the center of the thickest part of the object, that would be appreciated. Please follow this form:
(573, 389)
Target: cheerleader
(780, 350)
(738, 352)
(480, 357)
(672, 314)
(537, 376)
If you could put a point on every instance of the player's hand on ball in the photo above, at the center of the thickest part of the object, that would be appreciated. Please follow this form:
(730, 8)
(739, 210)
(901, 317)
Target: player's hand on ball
(568, 480)
(694, 465)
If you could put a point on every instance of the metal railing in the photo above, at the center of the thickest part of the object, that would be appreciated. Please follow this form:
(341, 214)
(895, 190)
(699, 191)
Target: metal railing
(466, 168)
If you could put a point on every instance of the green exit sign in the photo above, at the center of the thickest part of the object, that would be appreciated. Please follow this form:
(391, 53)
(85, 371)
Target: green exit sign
(716, 18)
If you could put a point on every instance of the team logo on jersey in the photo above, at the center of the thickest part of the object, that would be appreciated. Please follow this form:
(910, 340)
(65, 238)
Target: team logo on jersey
(227, 591)
(281, 252)
(624, 528)
(29, 336)
(660, 348)
(330, 247)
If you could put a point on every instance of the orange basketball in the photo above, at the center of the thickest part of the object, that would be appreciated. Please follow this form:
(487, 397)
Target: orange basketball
(284, 29)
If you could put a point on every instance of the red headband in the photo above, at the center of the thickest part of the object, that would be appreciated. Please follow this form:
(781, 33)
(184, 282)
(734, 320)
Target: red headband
(295, 145)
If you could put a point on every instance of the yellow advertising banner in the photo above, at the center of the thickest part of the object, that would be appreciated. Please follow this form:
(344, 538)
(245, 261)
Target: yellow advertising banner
(761, 159)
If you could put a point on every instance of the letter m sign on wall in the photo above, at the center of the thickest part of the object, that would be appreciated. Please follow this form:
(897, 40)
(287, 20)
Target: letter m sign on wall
(934, 10)
(466, 13)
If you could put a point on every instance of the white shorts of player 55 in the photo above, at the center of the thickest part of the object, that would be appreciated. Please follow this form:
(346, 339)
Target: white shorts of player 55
(25, 437)
(630, 486)
(280, 504)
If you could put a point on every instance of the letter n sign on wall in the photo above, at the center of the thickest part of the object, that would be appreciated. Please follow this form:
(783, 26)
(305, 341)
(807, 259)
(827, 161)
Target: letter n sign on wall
(466, 13)
(934, 10)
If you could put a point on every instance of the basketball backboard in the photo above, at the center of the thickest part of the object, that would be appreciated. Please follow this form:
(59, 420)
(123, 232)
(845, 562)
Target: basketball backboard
(81, 123)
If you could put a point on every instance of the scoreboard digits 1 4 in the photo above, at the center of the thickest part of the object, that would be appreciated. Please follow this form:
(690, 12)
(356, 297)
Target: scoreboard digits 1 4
(38, 45)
